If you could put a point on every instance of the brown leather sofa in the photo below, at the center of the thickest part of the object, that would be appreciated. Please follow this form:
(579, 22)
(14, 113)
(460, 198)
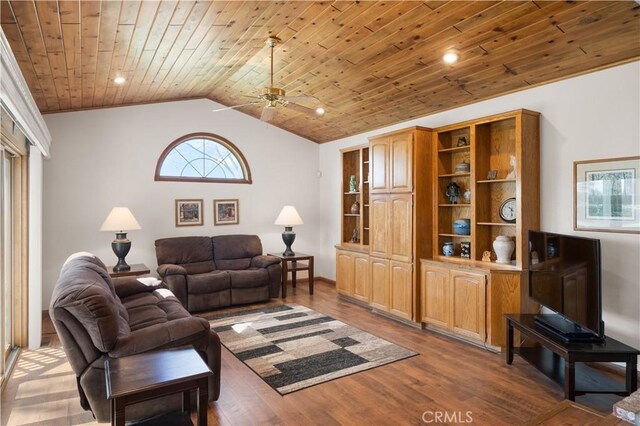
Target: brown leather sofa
(97, 319)
(213, 272)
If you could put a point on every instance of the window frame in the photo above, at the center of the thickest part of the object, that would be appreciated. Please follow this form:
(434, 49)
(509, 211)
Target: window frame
(215, 138)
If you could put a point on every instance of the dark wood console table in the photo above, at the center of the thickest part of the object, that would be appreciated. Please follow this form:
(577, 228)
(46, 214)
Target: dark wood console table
(564, 363)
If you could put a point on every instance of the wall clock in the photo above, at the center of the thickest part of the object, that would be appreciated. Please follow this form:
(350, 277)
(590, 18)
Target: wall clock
(508, 210)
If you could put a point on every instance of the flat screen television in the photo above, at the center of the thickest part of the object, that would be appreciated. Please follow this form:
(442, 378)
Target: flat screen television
(565, 277)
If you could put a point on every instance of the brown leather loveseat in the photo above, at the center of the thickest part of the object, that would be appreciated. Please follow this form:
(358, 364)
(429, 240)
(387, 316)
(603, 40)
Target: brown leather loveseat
(212, 272)
(98, 318)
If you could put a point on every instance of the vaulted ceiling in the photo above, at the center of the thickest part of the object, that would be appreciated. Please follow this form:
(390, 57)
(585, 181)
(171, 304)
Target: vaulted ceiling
(371, 63)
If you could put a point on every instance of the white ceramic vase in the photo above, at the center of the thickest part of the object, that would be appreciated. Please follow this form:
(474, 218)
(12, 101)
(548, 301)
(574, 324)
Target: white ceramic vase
(503, 246)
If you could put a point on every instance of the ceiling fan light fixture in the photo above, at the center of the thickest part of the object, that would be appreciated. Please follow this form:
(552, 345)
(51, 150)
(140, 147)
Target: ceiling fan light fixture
(320, 111)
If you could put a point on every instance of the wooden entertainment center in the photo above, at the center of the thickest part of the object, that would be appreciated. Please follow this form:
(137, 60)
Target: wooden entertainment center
(390, 257)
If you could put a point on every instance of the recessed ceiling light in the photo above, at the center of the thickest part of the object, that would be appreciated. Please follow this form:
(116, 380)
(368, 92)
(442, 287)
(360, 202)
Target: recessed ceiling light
(119, 80)
(451, 57)
(320, 111)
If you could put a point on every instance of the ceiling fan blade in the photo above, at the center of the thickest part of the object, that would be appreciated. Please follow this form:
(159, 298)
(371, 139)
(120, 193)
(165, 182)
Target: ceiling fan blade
(233, 107)
(301, 108)
(302, 99)
(268, 113)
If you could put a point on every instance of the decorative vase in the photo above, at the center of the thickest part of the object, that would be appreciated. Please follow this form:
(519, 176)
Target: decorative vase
(503, 246)
(353, 185)
(465, 249)
(448, 249)
(462, 226)
(463, 167)
(551, 250)
(355, 208)
(467, 195)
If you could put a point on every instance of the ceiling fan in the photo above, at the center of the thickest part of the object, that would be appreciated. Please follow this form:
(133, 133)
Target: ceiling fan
(274, 97)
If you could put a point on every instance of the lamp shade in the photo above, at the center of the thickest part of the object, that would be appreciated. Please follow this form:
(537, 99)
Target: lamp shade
(120, 219)
(288, 217)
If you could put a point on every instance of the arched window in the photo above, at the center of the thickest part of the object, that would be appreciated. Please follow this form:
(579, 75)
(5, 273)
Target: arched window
(202, 157)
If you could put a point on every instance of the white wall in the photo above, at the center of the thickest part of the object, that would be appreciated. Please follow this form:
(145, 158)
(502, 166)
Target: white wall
(35, 248)
(588, 117)
(106, 158)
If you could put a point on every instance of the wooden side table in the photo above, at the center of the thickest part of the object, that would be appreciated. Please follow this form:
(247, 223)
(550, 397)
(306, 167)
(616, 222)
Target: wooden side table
(292, 264)
(136, 270)
(151, 375)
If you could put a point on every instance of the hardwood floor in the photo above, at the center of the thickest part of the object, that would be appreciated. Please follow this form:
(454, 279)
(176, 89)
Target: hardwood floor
(466, 382)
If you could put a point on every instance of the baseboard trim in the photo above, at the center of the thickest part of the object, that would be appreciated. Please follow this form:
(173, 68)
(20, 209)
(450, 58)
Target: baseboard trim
(326, 280)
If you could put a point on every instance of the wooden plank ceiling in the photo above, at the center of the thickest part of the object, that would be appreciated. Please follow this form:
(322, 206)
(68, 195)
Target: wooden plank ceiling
(371, 63)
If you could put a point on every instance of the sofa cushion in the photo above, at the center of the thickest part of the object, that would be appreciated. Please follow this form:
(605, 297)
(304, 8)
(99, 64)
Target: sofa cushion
(184, 250)
(229, 247)
(249, 278)
(211, 282)
(234, 264)
(149, 308)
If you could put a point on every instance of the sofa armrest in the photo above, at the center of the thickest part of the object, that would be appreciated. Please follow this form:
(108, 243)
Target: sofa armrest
(264, 261)
(127, 286)
(170, 269)
(172, 334)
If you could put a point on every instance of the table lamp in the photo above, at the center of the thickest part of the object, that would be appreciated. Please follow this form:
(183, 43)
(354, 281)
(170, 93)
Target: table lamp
(120, 220)
(287, 218)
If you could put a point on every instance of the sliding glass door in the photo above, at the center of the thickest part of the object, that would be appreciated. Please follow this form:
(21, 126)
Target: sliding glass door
(7, 311)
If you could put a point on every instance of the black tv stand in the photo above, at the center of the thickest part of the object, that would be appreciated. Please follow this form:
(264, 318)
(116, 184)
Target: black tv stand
(565, 330)
(564, 362)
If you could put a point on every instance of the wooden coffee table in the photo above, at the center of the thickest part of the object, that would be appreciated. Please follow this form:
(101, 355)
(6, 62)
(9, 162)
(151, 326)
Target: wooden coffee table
(151, 375)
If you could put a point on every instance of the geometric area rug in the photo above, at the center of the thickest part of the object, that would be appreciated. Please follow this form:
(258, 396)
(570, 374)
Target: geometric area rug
(292, 347)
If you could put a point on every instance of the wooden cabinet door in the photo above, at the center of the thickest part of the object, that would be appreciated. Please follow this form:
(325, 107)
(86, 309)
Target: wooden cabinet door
(379, 230)
(401, 163)
(361, 278)
(435, 296)
(401, 299)
(344, 272)
(401, 226)
(379, 165)
(379, 284)
(468, 311)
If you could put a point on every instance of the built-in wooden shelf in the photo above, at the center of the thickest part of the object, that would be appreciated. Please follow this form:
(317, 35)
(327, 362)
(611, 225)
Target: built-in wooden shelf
(495, 180)
(351, 214)
(454, 205)
(448, 175)
(455, 235)
(351, 193)
(496, 224)
(455, 149)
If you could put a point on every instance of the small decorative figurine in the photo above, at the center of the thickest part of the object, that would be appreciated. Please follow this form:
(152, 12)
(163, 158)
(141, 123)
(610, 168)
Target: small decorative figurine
(534, 258)
(512, 163)
(486, 256)
(462, 141)
(355, 208)
(492, 174)
(453, 192)
(353, 185)
(467, 195)
(355, 237)
(551, 250)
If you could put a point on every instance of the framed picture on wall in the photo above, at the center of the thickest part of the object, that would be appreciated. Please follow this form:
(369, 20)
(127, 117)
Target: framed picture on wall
(607, 195)
(189, 213)
(225, 212)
